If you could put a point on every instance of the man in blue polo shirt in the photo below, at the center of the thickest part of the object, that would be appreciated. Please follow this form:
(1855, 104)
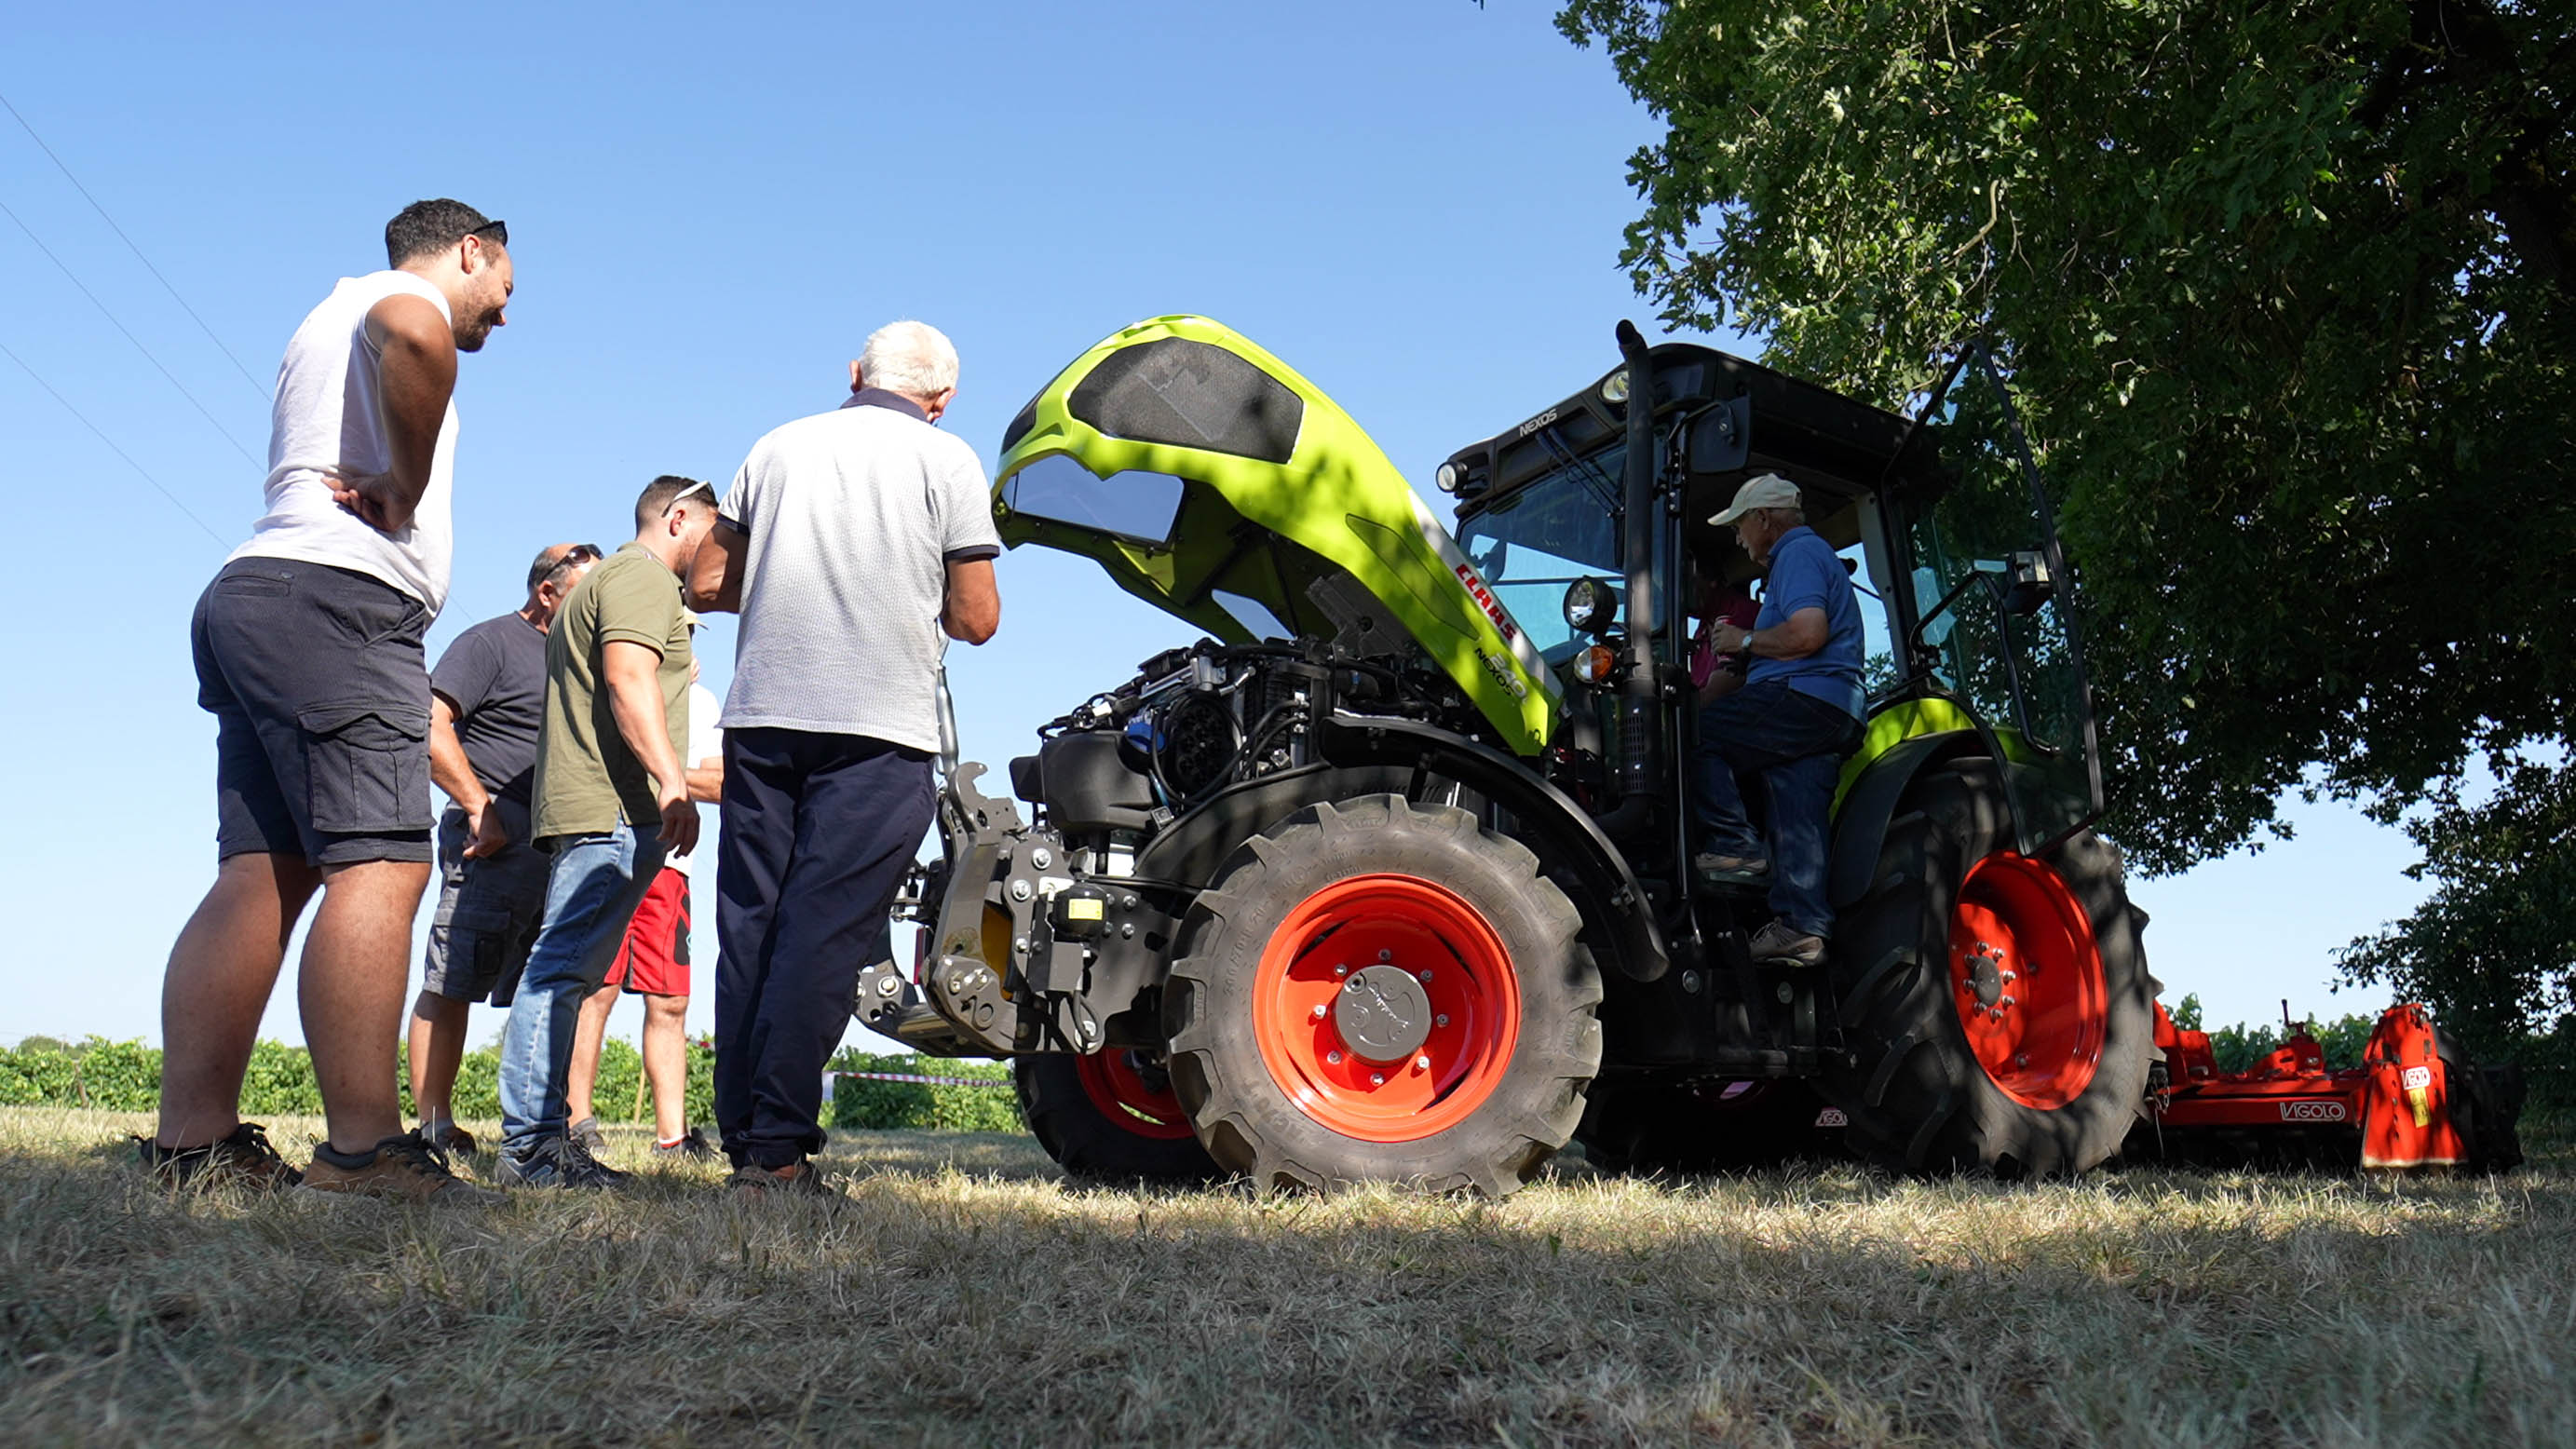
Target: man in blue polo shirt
(1795, 715)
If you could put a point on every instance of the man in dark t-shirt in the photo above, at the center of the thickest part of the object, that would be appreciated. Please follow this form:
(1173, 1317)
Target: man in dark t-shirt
(487, 700)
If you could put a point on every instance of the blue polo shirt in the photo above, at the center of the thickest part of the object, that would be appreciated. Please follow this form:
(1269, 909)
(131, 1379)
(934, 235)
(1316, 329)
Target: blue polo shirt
(1806, 575)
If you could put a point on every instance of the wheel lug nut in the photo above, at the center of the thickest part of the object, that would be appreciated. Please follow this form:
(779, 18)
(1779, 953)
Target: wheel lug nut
(1341, 971)
(1385, 956)
(1319, 1011)
(1441, 1020)
(2021, 1061)
(1377, 1079)
(1422, 976)
(1422, 1064)
(1333, 1059)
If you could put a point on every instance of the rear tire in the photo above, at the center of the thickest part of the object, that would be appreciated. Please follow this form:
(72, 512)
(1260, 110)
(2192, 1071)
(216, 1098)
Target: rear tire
(1102, 1119)
(1448, 1051)
(1969, 1060)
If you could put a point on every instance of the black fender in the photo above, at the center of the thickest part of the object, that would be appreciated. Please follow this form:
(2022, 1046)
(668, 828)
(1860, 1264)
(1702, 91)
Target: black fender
(1861, 825)
(1616, 913)
(1189, 852)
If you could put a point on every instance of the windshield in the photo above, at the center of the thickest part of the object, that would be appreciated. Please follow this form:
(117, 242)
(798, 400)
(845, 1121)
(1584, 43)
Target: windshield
(1132, 504)
(1560, 527)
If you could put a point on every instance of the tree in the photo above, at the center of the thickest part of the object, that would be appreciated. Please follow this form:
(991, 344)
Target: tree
(2284, 291)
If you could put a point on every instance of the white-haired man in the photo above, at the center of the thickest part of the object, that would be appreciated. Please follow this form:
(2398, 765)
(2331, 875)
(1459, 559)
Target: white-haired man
(848, 543)
(1795, 716)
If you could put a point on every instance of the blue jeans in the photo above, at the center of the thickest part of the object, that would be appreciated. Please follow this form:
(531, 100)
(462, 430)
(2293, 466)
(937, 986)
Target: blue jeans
(591, 894)
(1796, 742)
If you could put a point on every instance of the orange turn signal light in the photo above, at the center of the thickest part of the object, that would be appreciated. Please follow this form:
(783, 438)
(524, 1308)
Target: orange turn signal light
(1593, 665)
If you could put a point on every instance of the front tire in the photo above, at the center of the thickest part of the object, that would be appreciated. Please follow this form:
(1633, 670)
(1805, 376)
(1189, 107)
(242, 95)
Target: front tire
(1378, 991)
(1998, 1010)
(1109, 1117)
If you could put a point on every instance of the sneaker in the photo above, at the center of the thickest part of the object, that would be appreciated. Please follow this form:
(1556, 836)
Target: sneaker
(692, 1146)
(449, 1138)
(800, 1178)
(1746, 869)
(408, 1168)
(557, 1162)
(242, 1156)
(592, 1137)
(1781, 944)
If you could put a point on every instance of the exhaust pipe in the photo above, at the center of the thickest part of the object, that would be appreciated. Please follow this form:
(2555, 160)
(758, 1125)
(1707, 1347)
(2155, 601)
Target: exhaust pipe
(1638, 687)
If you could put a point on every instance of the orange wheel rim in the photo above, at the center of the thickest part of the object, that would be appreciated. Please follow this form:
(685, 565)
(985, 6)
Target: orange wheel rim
(1116, 1084)
(1386, 1008)
(2027, 977)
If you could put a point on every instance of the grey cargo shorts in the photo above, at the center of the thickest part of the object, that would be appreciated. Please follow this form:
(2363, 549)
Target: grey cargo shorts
(320, 694)
(488, 911)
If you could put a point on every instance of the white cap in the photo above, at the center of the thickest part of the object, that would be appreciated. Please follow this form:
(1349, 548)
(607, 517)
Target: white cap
(1770, 490)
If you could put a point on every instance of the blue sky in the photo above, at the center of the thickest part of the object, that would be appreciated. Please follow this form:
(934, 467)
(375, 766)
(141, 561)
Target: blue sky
(1416, 205)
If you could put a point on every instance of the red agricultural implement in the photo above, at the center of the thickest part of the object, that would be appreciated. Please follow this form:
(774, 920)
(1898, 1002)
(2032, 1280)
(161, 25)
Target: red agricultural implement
(2414, 1101)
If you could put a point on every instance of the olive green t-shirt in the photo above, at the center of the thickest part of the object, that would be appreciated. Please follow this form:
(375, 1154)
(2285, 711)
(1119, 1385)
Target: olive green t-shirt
(588, 780)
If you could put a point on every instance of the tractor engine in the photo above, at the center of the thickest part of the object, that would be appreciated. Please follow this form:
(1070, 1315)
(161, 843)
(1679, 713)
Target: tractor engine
(1118, 767)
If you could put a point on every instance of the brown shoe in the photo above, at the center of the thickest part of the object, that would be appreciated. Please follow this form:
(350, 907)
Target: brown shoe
(398, 1169)
(800, 1178)
(1781, 944)
(449, 1138)
(240, 1156)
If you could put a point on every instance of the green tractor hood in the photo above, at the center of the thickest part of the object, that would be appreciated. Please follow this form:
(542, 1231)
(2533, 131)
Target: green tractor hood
(1214, 482)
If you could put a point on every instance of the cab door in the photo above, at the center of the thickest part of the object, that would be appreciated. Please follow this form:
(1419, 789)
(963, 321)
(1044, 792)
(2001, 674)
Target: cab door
(1993, 615)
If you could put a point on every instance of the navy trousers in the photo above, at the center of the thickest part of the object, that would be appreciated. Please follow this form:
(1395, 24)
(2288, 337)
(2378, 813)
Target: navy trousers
(818, 830)
(1796, 741)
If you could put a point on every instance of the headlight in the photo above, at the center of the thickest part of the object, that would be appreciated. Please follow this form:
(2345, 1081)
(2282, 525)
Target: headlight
(1590, 607)
(1614, 388)
(1447, 477)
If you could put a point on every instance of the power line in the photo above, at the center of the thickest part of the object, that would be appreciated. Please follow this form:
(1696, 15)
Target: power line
(111, 445)
(130, 246)
(129, 336)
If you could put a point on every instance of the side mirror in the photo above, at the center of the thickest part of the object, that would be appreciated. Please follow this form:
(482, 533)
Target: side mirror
(2028, 583)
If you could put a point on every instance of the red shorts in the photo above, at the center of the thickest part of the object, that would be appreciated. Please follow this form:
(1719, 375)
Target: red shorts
(654, 957)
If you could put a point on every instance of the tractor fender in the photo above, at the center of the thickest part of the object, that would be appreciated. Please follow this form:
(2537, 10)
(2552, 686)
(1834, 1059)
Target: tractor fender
(1860, 826)
(1616, 911)
(1189, 852)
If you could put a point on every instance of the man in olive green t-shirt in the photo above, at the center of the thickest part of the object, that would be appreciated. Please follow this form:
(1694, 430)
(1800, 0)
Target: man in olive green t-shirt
(612, 798)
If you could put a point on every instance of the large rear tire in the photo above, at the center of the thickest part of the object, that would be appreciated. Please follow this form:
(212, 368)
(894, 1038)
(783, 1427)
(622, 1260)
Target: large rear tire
(1109, 1117)
(1378, 991)
(1997, 1009)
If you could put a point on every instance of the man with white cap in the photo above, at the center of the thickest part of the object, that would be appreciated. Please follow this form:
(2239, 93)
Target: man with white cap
(1797, 713)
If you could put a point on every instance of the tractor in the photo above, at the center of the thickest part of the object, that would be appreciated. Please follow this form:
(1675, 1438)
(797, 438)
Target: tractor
(1388, 876)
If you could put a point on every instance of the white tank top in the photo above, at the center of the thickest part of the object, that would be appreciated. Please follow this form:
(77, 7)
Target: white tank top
(330, 417)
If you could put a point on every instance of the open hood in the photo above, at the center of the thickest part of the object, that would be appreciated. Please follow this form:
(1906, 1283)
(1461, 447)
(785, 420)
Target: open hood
(1214, 482)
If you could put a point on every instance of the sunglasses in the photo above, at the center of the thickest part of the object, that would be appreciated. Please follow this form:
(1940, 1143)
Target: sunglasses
(683, 496)
(574, 557)
(498, 231)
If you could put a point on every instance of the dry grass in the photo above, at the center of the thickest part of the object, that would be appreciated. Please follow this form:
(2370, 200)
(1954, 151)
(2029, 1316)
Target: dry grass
(961, 1294)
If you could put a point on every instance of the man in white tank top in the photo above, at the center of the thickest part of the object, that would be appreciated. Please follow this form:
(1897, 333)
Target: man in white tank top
(308, 652)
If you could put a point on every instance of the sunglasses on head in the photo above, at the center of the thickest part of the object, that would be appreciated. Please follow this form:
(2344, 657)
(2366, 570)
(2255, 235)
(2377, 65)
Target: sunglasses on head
(498, 231)
(683, 495)
(574, 557)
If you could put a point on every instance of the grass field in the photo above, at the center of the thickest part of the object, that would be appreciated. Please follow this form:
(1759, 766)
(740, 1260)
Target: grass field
(963, 1294)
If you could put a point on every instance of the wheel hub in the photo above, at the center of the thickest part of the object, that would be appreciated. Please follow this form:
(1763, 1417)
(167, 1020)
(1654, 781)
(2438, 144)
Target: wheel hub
(1383, 1013)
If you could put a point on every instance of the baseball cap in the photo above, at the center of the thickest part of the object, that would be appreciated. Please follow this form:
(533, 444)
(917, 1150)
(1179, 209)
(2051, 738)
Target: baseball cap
(1769, 490)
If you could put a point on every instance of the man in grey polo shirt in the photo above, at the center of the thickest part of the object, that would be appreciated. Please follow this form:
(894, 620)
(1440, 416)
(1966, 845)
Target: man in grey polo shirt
(849, 542)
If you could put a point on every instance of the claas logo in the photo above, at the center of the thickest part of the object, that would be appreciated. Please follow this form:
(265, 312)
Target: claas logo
(1485, 600)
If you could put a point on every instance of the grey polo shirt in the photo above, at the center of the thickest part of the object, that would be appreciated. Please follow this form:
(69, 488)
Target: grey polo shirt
(850, 519)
